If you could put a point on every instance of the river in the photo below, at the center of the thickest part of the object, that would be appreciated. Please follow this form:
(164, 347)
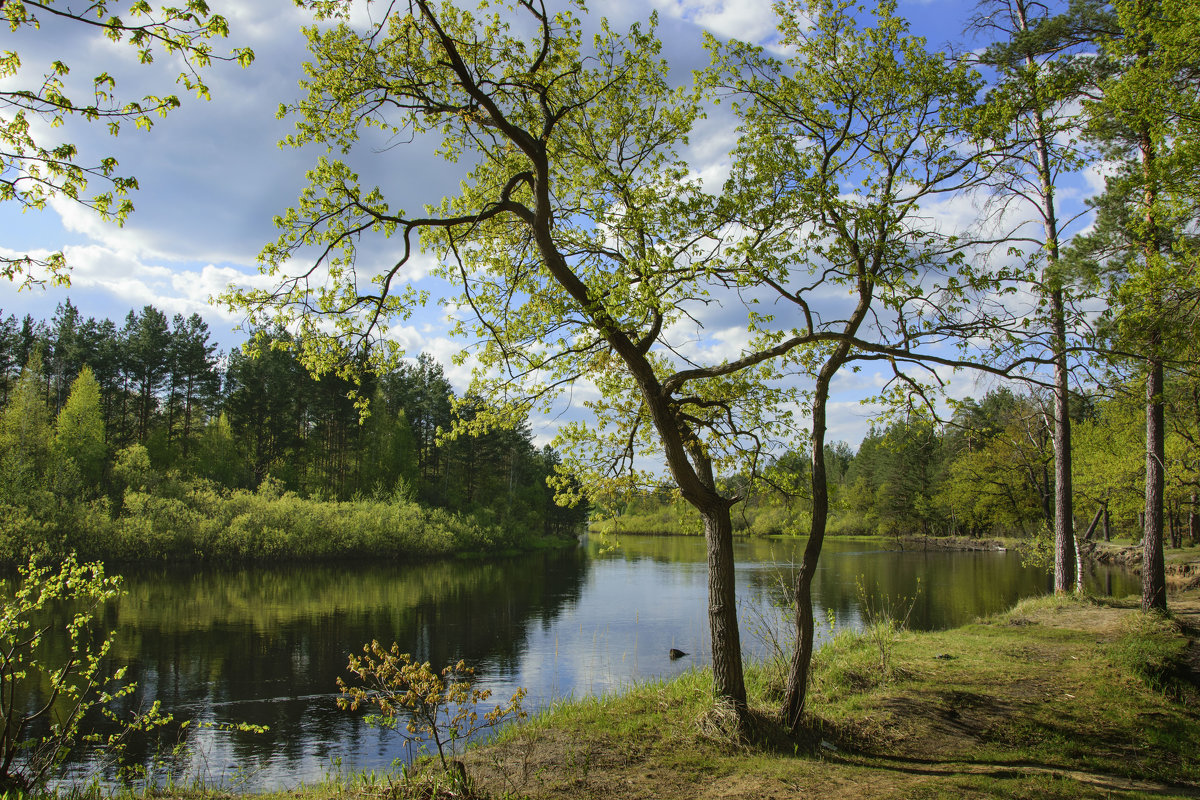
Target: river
(266, 645)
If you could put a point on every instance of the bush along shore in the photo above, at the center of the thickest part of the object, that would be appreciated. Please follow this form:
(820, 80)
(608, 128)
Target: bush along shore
(276, 467)
(198, 521)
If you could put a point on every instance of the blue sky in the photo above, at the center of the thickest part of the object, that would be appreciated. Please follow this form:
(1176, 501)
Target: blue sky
(212, 176)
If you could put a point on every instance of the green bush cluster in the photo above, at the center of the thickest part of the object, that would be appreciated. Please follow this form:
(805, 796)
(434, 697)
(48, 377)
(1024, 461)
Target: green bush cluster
(198, 520)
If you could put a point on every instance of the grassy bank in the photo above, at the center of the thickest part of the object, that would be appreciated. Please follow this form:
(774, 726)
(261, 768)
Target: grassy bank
(1055, 698)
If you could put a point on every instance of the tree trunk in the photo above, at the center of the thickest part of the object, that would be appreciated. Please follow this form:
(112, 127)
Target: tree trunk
(1064, 535)
(1066, 568)
(797, 685)
(1193, 521)
(1087, 535)
(1154, 579)
(728, 681)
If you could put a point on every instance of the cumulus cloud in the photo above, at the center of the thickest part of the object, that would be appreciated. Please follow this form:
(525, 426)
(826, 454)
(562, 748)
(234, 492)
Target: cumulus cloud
(748, 20)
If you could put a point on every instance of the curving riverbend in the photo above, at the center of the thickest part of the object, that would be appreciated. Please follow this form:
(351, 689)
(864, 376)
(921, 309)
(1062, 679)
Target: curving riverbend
(266, 645)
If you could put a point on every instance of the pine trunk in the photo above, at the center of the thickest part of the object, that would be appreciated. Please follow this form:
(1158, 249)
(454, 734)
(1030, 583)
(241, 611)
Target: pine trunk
(1066, 557)
(1154, 580)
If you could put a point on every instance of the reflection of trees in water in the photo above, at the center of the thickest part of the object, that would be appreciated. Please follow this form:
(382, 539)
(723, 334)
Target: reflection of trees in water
(266, 645)
(256, 645)
(955, 587)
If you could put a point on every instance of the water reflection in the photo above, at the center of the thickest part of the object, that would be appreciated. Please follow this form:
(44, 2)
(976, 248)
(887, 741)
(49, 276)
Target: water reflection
(266, 646)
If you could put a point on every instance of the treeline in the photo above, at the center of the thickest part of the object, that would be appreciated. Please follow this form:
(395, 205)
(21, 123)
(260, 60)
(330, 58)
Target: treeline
(987, 472)
(103, 424)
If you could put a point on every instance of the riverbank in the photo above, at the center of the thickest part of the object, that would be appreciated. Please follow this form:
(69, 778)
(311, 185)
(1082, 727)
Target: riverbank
(891, 542)
(1055, 698)
(1182, 563)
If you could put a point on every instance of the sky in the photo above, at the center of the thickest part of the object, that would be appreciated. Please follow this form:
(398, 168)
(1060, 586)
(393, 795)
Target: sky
(212, 176)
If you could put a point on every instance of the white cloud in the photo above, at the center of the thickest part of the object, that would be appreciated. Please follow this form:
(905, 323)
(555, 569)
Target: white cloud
(748, 20)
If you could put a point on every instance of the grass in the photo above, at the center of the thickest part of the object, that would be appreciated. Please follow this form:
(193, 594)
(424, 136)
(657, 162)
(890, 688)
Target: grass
(1056, 698)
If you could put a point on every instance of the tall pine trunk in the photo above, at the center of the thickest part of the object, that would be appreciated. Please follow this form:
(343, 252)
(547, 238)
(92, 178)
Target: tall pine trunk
(1065, 551)
(1154, 579)
(1066, 555)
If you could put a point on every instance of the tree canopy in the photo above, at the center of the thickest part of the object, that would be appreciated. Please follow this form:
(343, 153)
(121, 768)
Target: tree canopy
(39, 91)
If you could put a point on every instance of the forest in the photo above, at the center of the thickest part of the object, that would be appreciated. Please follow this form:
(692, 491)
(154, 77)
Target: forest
(987, 472)
(143, 441)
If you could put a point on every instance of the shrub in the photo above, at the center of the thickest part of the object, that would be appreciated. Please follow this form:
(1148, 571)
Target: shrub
(51, 677)
(441, 706)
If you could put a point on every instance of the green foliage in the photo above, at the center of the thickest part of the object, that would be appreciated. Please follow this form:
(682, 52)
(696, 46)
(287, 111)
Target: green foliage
(132, 470)
(1038, 549)
(25, 438)
(45, 701)
(1151, 648)
(79, 445)
(278, 431)
(200, 521)
(1110, 459)
(425, 704)
(36, 89)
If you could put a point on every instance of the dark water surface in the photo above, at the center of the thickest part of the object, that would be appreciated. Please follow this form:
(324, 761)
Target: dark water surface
(266, 645)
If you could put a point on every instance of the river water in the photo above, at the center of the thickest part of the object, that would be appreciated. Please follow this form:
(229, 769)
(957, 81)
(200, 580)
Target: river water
(266, 645)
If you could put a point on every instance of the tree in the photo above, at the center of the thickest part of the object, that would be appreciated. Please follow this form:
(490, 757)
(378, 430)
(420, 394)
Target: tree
(65, 353)
(79, 432)
(1108, 469)
(25, 436)
(194, 382)
(266, 406)
(422, 391)
(579, 243)
(147, 341)
(70, 691)
(10, 367)
(1039, 80)
(999, 473)
(35, 170)
(1144, 113)
(845, 145)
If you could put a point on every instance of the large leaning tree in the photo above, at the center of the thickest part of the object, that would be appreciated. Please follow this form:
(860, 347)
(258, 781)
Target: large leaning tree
(583, 250)
(852, 149)
(39, 92)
